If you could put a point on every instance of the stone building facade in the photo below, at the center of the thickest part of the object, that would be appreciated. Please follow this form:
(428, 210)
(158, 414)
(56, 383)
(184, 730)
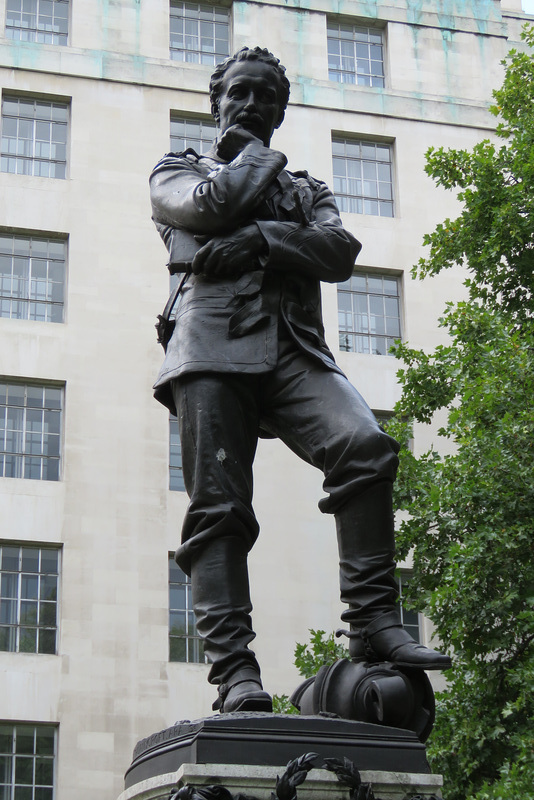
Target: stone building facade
(90, 486)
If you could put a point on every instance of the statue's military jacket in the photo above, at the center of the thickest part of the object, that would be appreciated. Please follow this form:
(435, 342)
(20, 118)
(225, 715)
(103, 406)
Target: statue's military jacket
(231, 324)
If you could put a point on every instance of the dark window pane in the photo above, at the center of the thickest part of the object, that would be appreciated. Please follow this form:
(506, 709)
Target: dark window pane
(30, 559)
(177, 622)
(28, 640)
(53, 397)
(44, 793)
(196, 651)
(177, 595)
(48, 587)
(49, 560)
(44, 771)
(6, 739)
(24, 744)
(47, 641)
(23, 793)
(176, 575)
(30, 587)
(8, 612)
(47, 614)
(5, 770)
(24, 770)
(28, 612)
(177, 649)
(10, 558)
(44, 738)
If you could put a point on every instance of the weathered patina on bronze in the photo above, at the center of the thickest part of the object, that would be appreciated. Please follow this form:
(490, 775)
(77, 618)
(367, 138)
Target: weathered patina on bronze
(248, 358)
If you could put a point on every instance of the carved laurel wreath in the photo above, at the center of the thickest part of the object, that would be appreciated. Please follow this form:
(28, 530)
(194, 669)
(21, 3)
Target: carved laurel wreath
(286, 786)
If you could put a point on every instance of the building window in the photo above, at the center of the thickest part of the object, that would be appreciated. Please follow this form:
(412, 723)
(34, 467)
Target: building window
(195, 133)
(27, 760)
(30, 431)
(409, 618)
(368, 313)
(34, 137)
(355, 54)
(184, 641)
(176, 473)
(363, 182)
(199, 32)
(28, 598)
(38, 21)
(32, 277)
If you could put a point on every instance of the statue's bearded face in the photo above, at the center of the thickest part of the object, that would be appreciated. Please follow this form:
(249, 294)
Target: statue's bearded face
(250, 98)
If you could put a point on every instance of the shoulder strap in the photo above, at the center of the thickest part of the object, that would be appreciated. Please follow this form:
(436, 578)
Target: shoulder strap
(169, 305)
(165, 326)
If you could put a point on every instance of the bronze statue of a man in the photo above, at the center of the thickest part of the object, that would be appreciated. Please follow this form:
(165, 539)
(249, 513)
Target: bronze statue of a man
(248, 358)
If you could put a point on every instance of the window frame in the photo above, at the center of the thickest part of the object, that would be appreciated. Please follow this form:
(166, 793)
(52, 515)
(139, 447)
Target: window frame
(24, 431)
(353, 152)
(24, 576)
(21, 729)
(37, 32)
(62, 106)
(354, 335)
(176, 471)
(29, 277)
(179, 143)
(197, 55)
(402, 576)
(193, 641)
(358, 26)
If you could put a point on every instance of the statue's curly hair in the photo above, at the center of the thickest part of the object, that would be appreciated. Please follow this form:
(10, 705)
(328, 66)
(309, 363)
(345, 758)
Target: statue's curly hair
(249, 54)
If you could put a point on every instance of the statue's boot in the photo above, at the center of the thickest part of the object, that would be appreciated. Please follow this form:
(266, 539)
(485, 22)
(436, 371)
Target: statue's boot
(221, 602)
(366, 541)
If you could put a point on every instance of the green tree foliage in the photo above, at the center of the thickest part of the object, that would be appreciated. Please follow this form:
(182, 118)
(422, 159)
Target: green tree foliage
(494, 233)
(471, 513)
(309, 658)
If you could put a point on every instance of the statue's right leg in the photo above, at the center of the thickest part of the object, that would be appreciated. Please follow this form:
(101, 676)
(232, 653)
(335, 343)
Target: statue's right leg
(218, 429)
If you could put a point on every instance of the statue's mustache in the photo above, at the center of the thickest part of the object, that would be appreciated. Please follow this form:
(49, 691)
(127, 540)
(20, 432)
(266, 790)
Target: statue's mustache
(244, 117)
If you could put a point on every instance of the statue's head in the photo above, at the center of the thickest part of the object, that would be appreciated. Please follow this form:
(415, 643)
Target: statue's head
(243, 61)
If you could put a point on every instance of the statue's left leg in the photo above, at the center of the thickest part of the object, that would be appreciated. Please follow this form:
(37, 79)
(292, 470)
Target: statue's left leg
(324, 419)
(366, 540)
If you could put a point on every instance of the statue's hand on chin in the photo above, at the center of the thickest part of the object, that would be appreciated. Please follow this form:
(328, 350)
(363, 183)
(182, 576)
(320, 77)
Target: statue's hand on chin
(232, 141)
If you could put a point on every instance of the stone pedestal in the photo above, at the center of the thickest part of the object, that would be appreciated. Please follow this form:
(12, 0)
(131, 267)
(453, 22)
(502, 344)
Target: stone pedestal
(260, 782)
(245, 753)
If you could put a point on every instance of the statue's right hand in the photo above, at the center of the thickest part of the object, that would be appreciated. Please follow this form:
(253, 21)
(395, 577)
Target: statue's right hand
(229, 256)
(233, 140)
